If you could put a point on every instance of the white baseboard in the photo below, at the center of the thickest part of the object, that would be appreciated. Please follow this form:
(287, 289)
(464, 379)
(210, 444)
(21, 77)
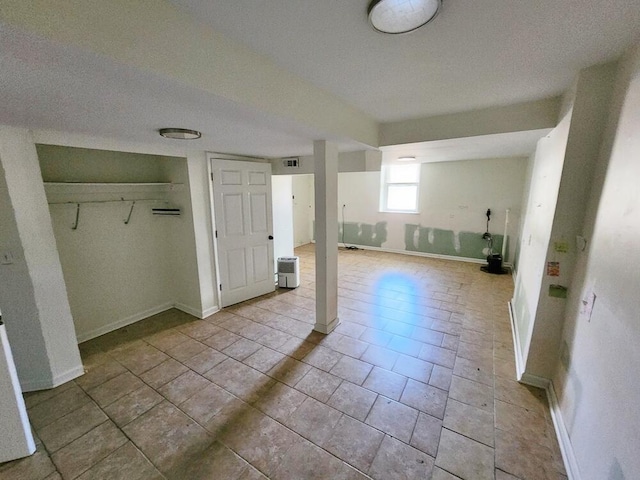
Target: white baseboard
(210, 311)
(421, 254)
(562, 434)
(110, 327)
(534, 380)
(568, 455)
(196, 312)
(32, 385)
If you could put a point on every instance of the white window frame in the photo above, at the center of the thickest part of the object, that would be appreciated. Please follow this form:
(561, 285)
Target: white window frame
(384, 188)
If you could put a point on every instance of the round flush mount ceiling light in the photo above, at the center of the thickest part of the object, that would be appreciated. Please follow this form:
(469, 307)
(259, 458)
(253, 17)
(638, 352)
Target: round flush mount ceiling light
(179, 133)
(406, 159)
(402, 16)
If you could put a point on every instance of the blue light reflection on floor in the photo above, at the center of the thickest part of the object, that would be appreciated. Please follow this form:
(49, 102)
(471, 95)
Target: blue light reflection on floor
(403, 284)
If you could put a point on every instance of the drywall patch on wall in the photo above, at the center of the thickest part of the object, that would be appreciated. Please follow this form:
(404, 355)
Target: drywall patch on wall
(364, 234)
(448, 242)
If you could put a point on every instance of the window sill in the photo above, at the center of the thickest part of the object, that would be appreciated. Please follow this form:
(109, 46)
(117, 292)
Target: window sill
(405, 212)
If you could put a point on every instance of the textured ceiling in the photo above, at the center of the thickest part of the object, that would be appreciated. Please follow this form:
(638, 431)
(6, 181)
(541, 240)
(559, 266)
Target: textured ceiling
(475, 54)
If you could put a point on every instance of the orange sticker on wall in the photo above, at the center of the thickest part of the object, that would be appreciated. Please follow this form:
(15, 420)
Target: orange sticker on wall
(553, 269)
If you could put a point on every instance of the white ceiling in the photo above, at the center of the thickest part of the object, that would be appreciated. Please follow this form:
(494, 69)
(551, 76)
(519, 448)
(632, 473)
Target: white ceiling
(475, 54)
(49, 86)
(503, 145)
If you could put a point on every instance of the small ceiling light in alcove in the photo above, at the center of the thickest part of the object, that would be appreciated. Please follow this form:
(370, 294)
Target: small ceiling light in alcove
(406, 159)
(402, 16)
(179, 133)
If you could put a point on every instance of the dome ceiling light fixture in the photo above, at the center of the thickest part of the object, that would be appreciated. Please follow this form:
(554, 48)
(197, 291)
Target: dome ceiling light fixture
(406, 159)
(179, 133)
(402, 16)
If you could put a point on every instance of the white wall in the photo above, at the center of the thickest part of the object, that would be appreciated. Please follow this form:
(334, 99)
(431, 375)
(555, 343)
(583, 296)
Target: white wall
(282, 205)
(454, 197)
(512, 118)
(183, 262)
(358, 161)
(591, 104)
(303, 208)
(544, 183)
(596, 379)
(559, 186)
(115, 273)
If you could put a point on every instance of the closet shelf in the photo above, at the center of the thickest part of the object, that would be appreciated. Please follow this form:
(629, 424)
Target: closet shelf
(53, 188)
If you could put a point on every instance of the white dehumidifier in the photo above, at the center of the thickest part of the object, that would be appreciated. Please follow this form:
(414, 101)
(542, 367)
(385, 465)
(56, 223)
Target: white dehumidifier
(288, 272)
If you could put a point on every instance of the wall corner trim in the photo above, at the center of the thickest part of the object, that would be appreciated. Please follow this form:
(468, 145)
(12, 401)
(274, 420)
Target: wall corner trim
(516, 341)
(196, 312)
(210, 311)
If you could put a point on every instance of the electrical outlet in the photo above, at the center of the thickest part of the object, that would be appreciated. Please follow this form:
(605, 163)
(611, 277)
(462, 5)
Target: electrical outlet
(6, 258)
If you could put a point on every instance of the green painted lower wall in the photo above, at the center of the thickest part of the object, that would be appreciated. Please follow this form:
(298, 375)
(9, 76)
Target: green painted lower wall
(447, 242)
(420, 239)
(363, 234)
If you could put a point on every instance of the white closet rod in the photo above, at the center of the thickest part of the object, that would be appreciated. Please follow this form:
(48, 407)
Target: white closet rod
(110, 201)
(122, 200)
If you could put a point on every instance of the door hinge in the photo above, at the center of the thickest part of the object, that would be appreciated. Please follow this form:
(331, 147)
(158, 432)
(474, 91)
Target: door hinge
(220, 287)
(216, 233)
(212, 176)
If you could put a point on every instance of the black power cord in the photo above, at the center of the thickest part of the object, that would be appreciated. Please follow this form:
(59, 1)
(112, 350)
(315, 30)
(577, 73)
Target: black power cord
(348, 247)
(487, 235)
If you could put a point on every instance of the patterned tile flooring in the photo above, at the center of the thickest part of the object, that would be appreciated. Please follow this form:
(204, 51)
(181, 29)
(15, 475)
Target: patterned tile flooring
(417, 382)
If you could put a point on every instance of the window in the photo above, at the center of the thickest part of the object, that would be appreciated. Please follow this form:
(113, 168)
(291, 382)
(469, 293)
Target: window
(399, 188)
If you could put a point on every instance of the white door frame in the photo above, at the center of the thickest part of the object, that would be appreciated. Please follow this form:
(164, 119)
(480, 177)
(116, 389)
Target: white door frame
(211, 156)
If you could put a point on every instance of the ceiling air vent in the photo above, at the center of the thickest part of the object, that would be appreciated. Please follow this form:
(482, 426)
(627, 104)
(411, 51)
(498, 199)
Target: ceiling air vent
(291, 162)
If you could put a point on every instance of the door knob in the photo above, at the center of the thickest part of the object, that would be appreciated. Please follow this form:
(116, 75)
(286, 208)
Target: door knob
(270, 237)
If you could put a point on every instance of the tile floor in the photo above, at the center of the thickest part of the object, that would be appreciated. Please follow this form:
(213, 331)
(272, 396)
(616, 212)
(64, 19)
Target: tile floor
(417, 382)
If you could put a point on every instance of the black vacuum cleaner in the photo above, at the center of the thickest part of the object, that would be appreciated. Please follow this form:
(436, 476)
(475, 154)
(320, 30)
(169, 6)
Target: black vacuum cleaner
(494, 260)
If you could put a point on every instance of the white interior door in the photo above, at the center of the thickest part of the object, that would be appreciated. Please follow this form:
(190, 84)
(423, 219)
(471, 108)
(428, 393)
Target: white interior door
(242, 209)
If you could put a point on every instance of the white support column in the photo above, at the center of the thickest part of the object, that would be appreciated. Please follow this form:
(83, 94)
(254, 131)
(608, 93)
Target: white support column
(326, 191)
(33, 294)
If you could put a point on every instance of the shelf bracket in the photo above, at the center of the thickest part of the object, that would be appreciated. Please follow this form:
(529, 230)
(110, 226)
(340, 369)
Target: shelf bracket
(126, 222)
(75, 224)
